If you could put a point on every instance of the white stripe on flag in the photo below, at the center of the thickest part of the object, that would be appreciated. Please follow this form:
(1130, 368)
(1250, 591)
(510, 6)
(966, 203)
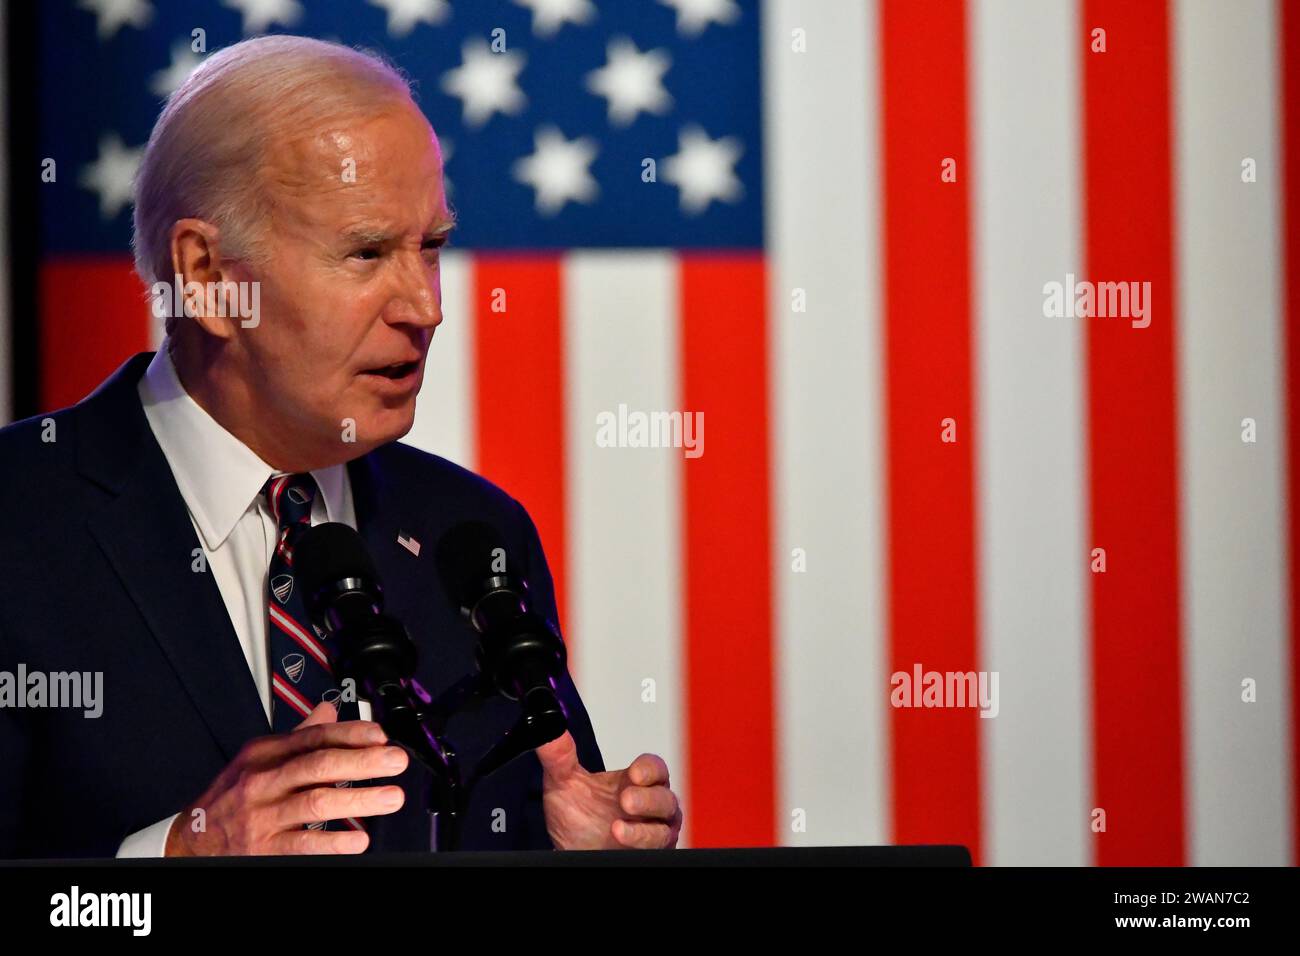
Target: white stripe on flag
(821, 173)
(445, 412)
(1030, 401)
(1232, 514)
(624, 504)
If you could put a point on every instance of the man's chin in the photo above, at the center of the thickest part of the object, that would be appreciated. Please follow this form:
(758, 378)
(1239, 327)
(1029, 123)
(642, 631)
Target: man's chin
(387, 424)
(369, 420)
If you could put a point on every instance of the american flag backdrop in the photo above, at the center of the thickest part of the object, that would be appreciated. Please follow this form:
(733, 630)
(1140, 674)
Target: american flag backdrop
(828, 226)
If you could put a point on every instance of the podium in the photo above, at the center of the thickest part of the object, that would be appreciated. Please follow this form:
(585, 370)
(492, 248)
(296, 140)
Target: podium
(371, 901)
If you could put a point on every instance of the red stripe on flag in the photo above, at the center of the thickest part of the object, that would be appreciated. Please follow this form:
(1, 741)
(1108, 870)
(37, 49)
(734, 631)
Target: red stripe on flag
(1289, 20)
(519, 394)
(93, 317)
(727, 549)
(1133, 418)
(929, 483)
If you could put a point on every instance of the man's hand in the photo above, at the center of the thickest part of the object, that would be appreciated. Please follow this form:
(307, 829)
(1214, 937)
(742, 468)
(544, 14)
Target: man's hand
(633, 807)
(259, 803)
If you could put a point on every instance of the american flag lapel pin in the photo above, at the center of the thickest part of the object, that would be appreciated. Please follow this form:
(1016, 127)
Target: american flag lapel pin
(409, 543)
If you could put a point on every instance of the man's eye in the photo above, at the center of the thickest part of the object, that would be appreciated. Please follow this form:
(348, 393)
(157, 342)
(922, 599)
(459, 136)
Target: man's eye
(434, 243)
(367, 253)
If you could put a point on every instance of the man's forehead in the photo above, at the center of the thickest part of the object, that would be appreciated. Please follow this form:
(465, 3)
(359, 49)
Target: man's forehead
(393, 130)
(363, 175)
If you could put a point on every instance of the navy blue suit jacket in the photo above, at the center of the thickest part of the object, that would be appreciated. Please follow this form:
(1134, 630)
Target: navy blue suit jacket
(96, 552)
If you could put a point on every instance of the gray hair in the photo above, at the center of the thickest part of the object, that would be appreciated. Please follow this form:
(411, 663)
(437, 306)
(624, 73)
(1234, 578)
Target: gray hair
(205, 155)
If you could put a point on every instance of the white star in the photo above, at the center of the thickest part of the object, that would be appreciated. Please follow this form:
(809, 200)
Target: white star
(632, 81)
(403, 15)
(112, 15)
(694, 15)
(260, 14)
(111, 174)
(184, 60)
(701, 169)
(557, 170)
(550, 15)
(486, 82)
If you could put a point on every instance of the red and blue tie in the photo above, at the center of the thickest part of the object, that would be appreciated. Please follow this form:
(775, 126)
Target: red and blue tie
(302, 671)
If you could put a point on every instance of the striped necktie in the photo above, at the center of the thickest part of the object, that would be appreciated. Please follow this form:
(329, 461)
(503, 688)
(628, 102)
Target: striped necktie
(302, 672)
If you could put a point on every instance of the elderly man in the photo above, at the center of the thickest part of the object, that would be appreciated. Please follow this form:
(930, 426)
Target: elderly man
(154, 521)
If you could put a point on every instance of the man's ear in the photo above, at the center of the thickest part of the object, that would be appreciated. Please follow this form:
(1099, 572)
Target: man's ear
(196, 260)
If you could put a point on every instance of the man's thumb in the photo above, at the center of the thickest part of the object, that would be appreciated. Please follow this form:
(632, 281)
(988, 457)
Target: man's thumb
(325, 713)
(559, 757)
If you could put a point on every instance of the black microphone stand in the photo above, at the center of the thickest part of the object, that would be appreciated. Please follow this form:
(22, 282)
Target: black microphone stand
(376, 655)
(518, 652)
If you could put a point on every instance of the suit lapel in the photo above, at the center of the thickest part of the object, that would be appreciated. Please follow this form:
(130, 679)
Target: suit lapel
(146, 534)
(395, 500)
(410, 595)
(386, 516)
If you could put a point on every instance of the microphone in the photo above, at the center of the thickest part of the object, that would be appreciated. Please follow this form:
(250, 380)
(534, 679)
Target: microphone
(518, 651)
(343, 595)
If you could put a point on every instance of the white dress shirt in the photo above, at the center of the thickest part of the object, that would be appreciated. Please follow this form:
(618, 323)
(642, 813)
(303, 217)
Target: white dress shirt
(221, 480)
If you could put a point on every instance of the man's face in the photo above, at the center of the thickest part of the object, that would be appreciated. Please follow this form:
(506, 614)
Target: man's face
(350, 292)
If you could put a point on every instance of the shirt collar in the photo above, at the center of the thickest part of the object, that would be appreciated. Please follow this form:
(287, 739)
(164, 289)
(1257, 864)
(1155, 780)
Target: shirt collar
(218, 475)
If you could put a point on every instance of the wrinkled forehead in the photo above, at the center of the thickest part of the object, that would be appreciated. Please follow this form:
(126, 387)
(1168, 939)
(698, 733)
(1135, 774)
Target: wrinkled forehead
(385, 166)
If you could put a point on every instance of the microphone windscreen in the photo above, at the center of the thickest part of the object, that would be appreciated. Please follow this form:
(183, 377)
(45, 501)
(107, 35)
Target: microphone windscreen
(328, 553)
(466, 556)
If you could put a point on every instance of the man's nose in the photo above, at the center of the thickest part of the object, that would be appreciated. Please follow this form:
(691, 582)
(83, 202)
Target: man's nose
(417, 300)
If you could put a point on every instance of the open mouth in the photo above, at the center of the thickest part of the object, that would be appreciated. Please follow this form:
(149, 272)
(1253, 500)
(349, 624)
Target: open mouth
(397, 371)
